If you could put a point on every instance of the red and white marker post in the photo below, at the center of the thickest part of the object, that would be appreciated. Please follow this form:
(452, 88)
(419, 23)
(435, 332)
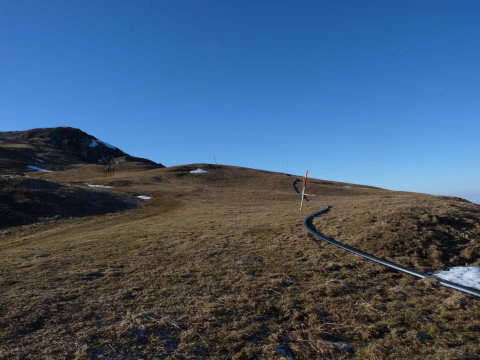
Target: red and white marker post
(305, 178)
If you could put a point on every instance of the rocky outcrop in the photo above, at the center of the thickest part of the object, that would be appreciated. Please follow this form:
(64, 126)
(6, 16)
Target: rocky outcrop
(60, 146)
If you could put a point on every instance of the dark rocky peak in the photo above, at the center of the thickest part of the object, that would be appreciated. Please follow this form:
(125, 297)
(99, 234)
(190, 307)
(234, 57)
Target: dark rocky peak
(61, 146)
(73, 142)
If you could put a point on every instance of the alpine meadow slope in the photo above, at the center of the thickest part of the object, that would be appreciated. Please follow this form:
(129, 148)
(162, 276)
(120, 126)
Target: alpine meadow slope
(217, 265)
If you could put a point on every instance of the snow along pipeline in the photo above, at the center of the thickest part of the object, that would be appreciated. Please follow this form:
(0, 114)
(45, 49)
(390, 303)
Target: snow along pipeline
(307, 223)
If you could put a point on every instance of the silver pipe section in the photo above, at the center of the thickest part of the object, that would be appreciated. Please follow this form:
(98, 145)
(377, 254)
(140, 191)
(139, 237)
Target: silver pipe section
(307, 223)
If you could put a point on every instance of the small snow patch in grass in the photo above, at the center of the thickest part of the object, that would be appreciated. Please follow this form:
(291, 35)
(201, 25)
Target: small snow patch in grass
(39, 160)
(94, 143)
(143, 197)
(198, 171)
(467, 276)
(340, 345)
(347, 186)
(99, 186)
(33, 167)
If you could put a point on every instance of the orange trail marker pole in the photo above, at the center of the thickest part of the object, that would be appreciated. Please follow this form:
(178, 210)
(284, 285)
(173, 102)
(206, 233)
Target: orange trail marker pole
(304, 188)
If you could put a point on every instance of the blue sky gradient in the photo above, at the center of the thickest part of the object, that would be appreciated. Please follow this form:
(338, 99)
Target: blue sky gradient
(383, 93)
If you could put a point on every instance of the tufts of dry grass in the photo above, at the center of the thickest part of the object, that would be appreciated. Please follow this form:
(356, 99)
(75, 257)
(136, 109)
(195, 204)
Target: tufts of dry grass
(218, 265)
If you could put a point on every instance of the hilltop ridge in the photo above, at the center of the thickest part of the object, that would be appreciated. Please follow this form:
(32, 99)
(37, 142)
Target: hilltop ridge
(59, 148)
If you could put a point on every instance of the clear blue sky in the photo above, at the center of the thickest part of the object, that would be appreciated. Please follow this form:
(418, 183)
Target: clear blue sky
(384, 93)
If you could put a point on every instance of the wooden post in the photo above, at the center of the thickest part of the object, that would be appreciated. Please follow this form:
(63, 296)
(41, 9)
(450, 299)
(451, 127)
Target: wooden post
(303, 196)
(304, 188)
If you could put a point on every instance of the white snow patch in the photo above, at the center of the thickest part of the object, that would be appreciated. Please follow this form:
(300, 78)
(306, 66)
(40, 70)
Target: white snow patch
(143, 197)
(39, 160)
(467, 276)
(103, 158)
(347, 186)
(99, 186)
(95, 143)
(340, 345)
(198, 171)
(107, 144)
(33, 167)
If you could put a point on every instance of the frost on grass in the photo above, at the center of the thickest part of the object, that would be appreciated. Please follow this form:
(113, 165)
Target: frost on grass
(99, 186)
(198, 171)
(143, 197)
(33, 167)
(467, 276)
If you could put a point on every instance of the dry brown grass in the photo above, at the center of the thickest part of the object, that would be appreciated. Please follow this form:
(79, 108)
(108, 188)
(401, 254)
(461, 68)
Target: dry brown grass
(218, 266)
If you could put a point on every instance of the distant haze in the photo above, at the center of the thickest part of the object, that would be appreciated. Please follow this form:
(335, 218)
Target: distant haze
(472, 197)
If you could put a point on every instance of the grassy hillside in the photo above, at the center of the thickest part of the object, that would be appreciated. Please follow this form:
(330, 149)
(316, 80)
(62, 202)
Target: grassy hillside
(24, 200)
(218, 265)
